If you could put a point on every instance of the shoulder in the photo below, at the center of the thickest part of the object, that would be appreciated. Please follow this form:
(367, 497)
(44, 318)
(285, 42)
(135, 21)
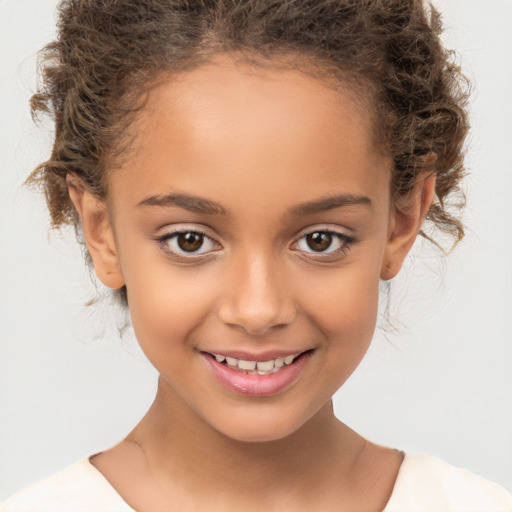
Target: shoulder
(81, 487)
(425, 483)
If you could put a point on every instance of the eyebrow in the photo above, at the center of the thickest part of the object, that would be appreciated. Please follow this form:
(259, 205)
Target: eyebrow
(188, 202)
(328, 203)
(198, 204)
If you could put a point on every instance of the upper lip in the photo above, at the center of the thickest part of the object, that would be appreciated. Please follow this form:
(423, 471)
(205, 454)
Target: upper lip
(258, 357)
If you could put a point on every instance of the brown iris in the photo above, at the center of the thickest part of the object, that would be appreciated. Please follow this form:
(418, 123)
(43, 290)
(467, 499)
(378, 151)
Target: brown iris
(189, 241)
(319, 240)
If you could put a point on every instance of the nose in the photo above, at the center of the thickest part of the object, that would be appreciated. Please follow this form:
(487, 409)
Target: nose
(256, 298)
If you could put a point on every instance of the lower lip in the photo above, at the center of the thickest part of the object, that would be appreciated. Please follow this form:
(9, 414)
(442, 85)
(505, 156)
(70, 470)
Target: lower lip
(257, 385)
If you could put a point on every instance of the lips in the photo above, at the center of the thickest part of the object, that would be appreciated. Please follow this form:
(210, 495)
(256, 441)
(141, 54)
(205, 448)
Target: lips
(264, 376)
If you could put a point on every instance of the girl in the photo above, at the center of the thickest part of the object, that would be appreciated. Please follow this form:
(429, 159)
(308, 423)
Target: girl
(243, 176)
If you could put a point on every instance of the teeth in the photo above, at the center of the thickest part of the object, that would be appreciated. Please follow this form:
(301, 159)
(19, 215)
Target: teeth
(265, 365)
(246, 365)
(257, 368)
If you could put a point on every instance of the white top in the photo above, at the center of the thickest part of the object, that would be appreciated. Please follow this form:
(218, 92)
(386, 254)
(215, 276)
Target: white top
(424, 484)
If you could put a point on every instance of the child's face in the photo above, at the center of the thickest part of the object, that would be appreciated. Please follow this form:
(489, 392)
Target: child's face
(256, 160)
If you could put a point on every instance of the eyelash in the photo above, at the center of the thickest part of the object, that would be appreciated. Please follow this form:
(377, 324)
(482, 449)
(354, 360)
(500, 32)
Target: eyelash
(164, 241)
(345, 241)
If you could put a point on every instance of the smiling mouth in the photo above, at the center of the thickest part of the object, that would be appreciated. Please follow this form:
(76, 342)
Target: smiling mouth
(258, 367)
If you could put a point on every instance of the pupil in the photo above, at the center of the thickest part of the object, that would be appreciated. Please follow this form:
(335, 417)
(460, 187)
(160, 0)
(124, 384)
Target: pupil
(190, 241)
(319, 241)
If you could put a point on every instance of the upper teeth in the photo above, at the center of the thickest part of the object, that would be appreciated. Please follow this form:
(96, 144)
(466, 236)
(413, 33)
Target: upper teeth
(261, 366)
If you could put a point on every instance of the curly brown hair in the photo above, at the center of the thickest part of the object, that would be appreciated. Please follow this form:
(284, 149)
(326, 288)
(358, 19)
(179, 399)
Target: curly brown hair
(108, 54)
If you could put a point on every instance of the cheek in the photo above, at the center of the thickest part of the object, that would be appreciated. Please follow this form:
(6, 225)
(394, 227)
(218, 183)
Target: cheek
(343, 309)
(344, 302)
(166, 303)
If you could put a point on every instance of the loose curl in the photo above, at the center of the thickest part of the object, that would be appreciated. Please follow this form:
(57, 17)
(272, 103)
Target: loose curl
(109, 54)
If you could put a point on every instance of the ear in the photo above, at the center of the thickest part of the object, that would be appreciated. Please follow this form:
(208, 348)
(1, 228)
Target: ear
(98, 233)
(405, 224)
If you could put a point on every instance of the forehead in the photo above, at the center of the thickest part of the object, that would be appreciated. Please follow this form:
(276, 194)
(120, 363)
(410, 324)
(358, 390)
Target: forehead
(258, 130)
(227, 93)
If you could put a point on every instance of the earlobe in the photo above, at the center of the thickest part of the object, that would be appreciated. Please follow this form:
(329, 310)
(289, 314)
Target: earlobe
(97, 232)
(405, 225)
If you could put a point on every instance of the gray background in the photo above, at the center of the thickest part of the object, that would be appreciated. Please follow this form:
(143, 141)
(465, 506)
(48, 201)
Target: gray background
(441, 385)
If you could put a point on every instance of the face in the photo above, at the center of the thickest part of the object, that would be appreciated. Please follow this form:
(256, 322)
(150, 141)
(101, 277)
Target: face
(252, 223)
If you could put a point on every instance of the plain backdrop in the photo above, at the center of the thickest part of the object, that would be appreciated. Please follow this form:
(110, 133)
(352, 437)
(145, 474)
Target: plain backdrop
(442, 384)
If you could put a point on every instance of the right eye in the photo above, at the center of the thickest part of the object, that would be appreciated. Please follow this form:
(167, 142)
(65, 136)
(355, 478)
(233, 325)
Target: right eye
(187, 243)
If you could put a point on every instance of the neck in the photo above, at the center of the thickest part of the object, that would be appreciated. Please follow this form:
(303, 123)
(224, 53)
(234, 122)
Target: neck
(179, 446)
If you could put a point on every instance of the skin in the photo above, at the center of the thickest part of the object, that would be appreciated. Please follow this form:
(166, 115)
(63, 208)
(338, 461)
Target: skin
(259, 143)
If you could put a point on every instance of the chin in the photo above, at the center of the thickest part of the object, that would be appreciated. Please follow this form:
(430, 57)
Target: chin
(261, 427)
(259, 436)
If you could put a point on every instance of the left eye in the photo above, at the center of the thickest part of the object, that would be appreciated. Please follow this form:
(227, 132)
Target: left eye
(187, 242)
(322, 242)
